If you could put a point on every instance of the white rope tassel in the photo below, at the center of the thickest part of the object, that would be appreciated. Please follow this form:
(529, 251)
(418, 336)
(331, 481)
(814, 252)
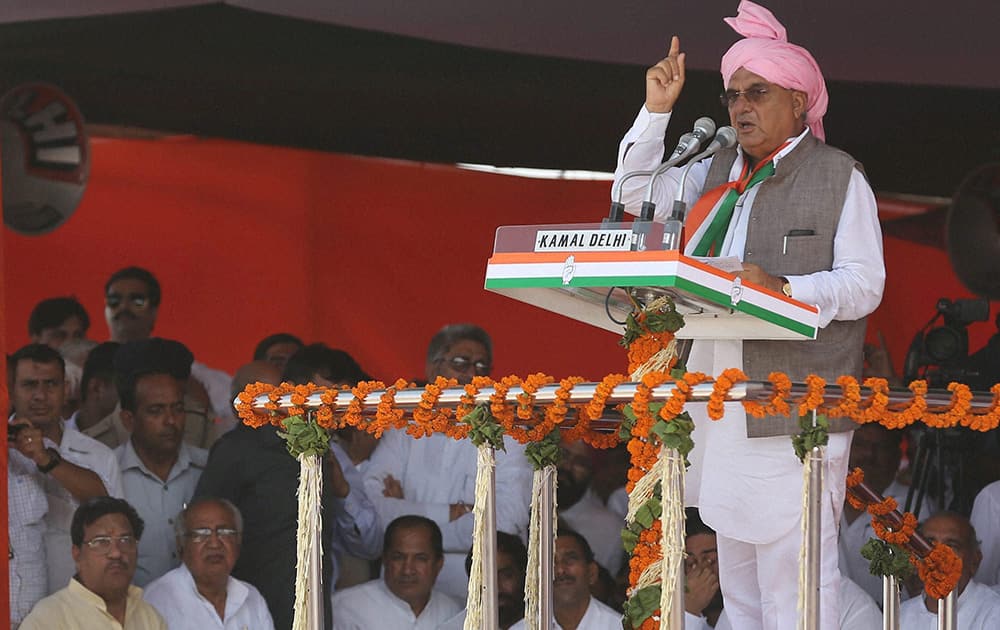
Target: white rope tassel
(532, 590)
(485, 463)
(659, 362)
(806, 473)
(671, 524)
(309, 523)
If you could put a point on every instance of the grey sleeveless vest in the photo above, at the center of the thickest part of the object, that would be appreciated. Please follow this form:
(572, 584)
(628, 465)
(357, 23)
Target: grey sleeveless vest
(805, 194)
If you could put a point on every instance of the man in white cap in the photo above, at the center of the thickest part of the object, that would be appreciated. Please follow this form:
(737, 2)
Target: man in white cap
(802, 218)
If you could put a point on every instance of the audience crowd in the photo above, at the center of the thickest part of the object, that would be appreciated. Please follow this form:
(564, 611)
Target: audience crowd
(137, 500)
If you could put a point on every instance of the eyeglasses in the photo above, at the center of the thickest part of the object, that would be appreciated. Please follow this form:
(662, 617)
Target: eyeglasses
(203, 534)
(138, 300)
(754, 95)
(102, 544)
(464, 364)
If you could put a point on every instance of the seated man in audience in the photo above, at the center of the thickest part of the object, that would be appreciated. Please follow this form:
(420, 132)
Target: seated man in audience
(512, 564)
(159, 471)
(26, 507)
(583, 511)
(98, 415)
(436, 476)
(703, 598)
(201, 593)
(101, 594)
(357, 530)
(978, 606)
(71, 466)
(877, 451)
(405, 597)
(985, 518)
(60, 323)
(703, 601)
(277, 349)
(55, 321)
(574, 608)
(131, 303)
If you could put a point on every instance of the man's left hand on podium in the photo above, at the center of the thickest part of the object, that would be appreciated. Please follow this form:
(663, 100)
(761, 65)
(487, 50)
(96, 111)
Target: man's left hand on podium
(754, 274)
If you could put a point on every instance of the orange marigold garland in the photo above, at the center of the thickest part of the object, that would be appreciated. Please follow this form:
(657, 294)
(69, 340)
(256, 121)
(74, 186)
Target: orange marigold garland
(720, 390)
(778, 405)
(877, 402)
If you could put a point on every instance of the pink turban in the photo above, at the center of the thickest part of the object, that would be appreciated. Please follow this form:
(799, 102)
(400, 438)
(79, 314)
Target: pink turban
(766, 52)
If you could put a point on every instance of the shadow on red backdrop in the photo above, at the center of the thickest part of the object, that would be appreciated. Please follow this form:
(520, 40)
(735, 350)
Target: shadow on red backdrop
(369, 255)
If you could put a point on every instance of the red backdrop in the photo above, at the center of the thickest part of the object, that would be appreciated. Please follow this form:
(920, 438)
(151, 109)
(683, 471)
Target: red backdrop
(369, 255)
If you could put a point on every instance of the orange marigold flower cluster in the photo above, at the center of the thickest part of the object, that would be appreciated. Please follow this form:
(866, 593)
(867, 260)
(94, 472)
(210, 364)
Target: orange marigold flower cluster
(646, 552)
(643, 348)
(778, 405)
(939, 570)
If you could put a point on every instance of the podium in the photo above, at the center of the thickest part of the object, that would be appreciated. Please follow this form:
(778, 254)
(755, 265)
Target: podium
(591, 273)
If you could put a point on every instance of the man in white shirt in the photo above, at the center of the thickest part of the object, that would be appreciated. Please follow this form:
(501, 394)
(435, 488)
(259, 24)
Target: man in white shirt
(159, 471)
(583, 511)
(573, 607)
(71, 466)
(978, 606)
(26, 507)
(985, 518)
(201, 593)
(803, 221)
(405, 597)
(435, 476)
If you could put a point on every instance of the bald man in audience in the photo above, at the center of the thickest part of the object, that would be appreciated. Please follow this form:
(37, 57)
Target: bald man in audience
(978, 606)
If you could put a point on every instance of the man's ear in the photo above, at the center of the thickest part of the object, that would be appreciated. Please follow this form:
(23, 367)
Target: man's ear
(128, 419)
(593, 571)
(799, 102)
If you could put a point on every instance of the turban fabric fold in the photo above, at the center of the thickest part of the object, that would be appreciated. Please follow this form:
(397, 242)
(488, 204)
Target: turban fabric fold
(765, 51)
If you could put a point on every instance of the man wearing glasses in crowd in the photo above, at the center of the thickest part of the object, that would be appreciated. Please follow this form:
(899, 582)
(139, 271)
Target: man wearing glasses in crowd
(435, 476)
(131, 303)
(105, 532)
(201, 593)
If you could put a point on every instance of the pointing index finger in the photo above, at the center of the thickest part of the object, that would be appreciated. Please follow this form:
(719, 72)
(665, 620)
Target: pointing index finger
(675, 47)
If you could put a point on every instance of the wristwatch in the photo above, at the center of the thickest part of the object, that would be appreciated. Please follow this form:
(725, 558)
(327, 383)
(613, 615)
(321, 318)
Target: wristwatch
(786, 286)
(54, 460)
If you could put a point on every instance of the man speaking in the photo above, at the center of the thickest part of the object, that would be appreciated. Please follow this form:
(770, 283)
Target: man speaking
(802, 218)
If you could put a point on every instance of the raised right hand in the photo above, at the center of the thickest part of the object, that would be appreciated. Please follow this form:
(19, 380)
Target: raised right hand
(665, 80)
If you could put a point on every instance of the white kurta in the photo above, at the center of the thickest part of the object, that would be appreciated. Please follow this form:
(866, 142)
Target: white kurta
(26, 508)
(357, 529)
(850, 291)
(175, 596)
(978, 609)
(373, 605)
(597, 617)
(986, 519)
(438, 471)
(732, 477)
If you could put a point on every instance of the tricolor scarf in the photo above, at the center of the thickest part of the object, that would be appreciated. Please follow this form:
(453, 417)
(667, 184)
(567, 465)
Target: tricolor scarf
(708, 222)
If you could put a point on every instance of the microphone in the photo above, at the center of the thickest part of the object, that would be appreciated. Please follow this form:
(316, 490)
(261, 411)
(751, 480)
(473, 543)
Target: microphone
(704, 127)
(724, 139)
